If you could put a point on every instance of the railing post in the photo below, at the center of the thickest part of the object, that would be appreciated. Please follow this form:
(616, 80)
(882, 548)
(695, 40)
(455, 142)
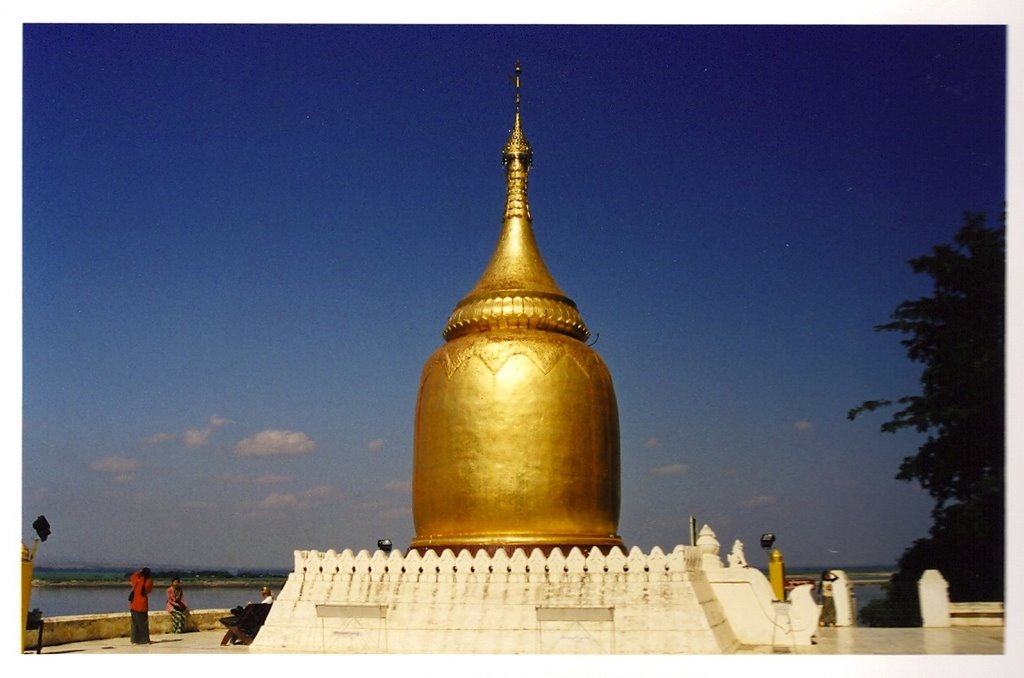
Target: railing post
(933, 592)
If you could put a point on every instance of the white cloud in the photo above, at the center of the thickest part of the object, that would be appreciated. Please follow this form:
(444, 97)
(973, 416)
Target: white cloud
(119, 465)
(318, 492)
(270, 479)
(757, 500)
(122, 469)
(652, 442)
(195, 438)
(302, 500)
(671, 469)
(278, 500)
(245, 479)
(398, 485)
(217, 421)
(272, 442)
(376, 445)
(803, 425)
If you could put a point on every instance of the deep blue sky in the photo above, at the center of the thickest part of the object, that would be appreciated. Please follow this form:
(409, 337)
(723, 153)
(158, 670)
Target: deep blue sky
(231, 231)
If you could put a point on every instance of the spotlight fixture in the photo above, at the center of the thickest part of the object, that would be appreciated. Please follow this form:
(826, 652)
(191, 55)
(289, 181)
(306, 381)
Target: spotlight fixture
(384, 545)
(42, 527)
(767, 539)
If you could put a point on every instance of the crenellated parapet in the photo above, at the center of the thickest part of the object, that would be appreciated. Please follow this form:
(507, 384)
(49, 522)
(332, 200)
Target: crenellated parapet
(449, 566)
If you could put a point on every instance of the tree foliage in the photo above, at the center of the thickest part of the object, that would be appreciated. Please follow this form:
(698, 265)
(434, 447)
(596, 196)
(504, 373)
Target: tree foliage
(958, 334)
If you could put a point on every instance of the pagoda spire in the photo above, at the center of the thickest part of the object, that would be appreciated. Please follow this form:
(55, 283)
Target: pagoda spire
(517, 157)
(516, 436)
(516, 290)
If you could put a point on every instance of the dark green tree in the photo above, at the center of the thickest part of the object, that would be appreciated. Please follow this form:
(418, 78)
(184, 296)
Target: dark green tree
(958, 334)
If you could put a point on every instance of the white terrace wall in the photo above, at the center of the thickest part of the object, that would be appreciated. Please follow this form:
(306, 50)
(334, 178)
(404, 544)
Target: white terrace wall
(636, 603)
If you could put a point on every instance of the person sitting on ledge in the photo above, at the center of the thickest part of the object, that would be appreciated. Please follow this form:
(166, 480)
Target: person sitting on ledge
(243, 627)
(246, 620)
(177, 606)
(266, 597)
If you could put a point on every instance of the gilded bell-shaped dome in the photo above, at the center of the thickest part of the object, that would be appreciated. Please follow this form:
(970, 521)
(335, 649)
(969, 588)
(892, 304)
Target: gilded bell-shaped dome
(516, 438)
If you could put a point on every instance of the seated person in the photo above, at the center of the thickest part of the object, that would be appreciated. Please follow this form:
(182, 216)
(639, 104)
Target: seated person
(266, 597)
(246, 621)
(243, 627)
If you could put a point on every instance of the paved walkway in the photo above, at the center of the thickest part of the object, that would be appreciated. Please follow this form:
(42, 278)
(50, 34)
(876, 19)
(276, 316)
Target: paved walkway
(201, 642)
(830, 641)
(874, 641)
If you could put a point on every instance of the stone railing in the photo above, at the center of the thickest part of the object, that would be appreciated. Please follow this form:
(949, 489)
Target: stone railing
(448, 566)
(749, 602)
(937, 611)
(77, 628)
(977, 614)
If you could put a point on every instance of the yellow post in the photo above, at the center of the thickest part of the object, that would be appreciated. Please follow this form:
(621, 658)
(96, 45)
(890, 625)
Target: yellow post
(27, 560)
(777, 574)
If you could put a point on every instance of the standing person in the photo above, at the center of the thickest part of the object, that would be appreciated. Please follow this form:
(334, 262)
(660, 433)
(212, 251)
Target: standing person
(177, 606)
(138, 604)
(828, 601)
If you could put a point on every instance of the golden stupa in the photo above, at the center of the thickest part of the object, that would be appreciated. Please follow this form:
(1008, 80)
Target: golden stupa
(516, 439)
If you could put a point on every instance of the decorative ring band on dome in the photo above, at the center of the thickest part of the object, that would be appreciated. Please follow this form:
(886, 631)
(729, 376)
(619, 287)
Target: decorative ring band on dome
(516, 312)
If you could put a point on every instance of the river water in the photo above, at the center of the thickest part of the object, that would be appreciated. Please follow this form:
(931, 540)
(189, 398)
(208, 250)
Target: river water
(57, 601)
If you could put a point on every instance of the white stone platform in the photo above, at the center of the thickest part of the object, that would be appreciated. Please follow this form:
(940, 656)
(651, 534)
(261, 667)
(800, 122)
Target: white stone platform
(654, 603)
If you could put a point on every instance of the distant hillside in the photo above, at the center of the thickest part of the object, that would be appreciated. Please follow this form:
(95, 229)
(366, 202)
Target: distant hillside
(111, 575)
(109, 567)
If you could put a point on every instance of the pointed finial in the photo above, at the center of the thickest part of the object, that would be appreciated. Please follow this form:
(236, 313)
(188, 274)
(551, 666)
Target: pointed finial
(515, 77)
(517, 147)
